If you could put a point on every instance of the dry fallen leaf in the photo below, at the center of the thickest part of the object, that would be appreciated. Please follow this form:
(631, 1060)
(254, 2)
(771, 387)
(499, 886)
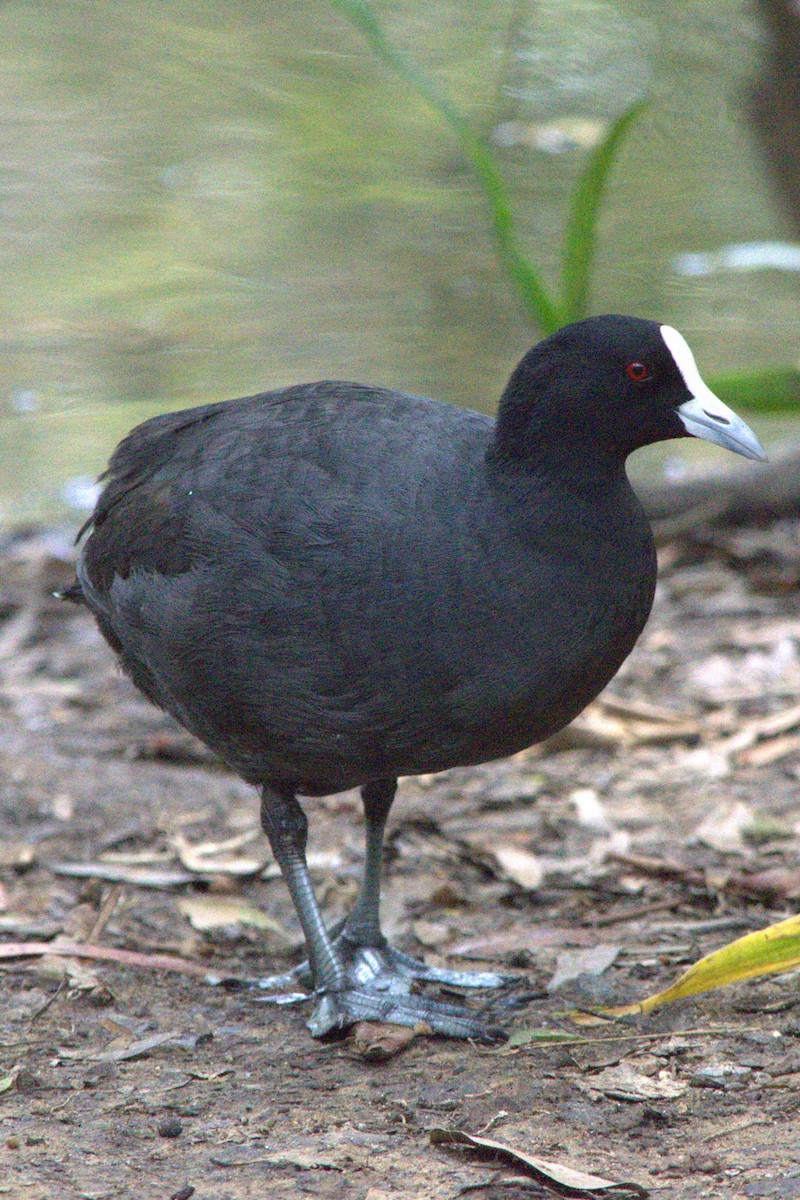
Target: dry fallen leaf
(524, 868)
(115, 873)
(19, 855)
(614, 722)
(717, 758)
(770, 751)
(123, 1049)
(590, 810)
(75, 974)
(431, 933)
(724, 828)
(375, 1041)
(782, 882)
(624, 1083)
(218, 858)
(151, 962)
(572, 963)
(211, 911)
(530, 938)
(565, 1178)
(62, 806)
(720, 1073)
(304, 1160)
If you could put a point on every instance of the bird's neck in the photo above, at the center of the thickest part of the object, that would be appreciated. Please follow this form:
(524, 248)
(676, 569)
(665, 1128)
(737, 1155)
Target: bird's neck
(577, 466)
(549, 497)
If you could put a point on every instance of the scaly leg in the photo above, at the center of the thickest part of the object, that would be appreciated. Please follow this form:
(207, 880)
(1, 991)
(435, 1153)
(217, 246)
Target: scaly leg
(358, 976)
(363, 928)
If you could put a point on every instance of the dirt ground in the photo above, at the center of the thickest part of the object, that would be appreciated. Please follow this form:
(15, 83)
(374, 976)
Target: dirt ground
(661, 825)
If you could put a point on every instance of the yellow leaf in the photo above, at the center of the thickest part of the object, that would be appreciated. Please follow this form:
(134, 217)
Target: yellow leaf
(776, 948)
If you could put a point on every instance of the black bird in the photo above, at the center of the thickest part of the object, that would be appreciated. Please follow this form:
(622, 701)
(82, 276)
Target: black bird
(332, 585)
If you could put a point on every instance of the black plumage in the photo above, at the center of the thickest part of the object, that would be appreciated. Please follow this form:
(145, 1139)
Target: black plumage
(333, 585)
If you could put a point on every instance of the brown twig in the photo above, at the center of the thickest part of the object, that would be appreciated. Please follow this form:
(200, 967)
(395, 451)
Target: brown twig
(130, 958)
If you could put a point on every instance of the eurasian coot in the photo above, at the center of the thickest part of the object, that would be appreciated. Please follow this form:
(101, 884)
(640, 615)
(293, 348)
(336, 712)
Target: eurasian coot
(333, 585)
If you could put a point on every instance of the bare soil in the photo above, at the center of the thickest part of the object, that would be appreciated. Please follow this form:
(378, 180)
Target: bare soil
(660, 826)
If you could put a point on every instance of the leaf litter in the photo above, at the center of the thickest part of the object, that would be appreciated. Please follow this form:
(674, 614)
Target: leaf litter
(668, 813)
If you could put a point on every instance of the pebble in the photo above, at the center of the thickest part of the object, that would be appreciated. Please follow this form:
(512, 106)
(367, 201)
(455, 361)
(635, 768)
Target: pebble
(170, 1127)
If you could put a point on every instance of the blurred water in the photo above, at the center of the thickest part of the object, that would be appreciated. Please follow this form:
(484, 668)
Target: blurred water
(205, 199)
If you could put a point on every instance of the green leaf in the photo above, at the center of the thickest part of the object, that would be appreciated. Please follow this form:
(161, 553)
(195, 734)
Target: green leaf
(581, 232)
(538, 304)
(771, 389)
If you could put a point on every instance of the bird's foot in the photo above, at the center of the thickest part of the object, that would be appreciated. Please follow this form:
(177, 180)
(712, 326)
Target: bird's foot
(337, 1010)
(396, 971)
(379, 983)
(412, 969)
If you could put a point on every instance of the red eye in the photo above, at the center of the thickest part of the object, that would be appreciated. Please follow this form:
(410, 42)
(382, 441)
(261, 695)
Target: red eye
(637, 372)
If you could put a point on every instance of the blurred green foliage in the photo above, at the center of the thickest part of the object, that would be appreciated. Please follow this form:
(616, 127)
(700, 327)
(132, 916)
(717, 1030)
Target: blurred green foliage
(546, 311)
(772, 389)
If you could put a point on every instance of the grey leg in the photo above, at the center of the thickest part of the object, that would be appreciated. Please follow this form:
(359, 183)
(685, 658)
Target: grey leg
(362, 928)
(363, 925)
(286, 827)
(355, 975)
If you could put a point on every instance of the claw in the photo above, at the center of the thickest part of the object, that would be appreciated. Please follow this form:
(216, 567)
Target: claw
(280, 997)
(338, 1010)
(372, 962)
(380, 988)
(404, 964)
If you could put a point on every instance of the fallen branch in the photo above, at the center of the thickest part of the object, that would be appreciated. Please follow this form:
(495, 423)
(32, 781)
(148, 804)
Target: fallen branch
(130, 958)
(771, 490)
